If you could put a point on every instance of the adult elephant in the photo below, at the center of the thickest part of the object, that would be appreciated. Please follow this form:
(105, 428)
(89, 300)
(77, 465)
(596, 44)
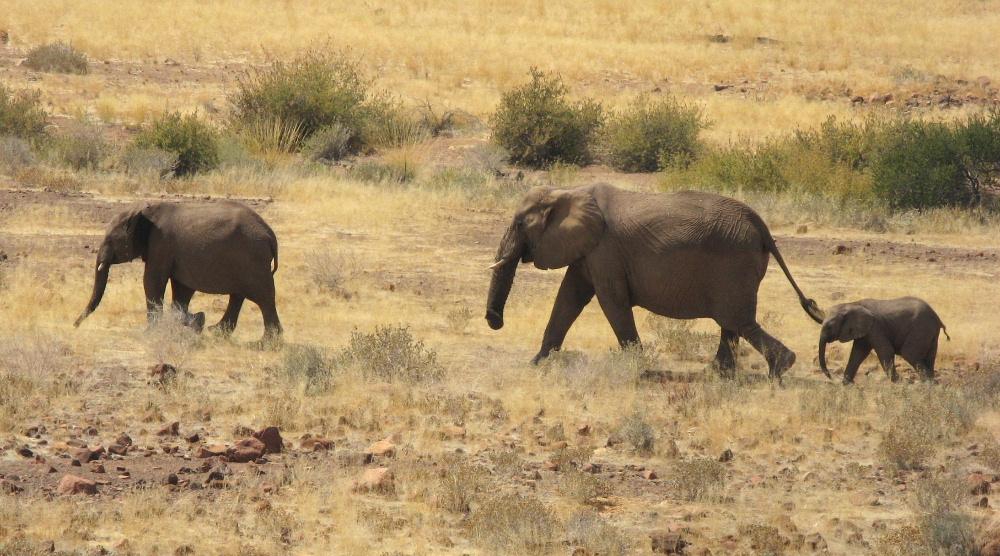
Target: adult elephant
(220, 247)
(682, 255)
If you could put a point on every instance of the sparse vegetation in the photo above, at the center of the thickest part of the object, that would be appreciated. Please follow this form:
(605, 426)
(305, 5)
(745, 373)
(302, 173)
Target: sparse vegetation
(595, 534)
(84, 149)
(513, 524)
(635, 432)
(332, 270)
(21, 113)
(943, 524)
(391, 354)
(58, 57)
(458, 319)
(309, 366)
(15, 154)
(698, 479)
(193, 141)
(537, 124)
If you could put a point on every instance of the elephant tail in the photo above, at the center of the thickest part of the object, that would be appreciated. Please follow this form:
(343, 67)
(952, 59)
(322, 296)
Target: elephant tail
(809, 305)
(274, 254)
(945, 330)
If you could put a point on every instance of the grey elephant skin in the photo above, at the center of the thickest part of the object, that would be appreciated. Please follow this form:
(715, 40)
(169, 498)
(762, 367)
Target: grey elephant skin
(218, 247)
(683, 255)
(906, 326)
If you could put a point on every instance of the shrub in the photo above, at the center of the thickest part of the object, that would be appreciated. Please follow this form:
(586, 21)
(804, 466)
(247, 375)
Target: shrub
(84, 149)
(330, 143)
(152, 161)
(391, 354)
(307, 365)
(271, 135)
(537, 125)
(56, 57)
(678, 337)
(392, 128)
(458, 319)
(15, 154)
(919, 165)
(652, 134)
(460, 484)
(313, 91)
(21, 113)
(636, 432)
(698, 479)
(513, 524)
(582, 487)
(943, 525)
(331, 271)
(591, 531)
(194, 142)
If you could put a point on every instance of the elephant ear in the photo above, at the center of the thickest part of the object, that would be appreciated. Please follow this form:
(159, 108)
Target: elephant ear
(857, 324)
(573, 226)
(136, 227)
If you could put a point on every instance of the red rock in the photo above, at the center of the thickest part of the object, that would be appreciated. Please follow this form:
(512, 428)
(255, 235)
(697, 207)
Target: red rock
(84, 455)
(316, 444)
(378, 480)
(383, 448)
(246, 450)
(123, 440)
(649, 474)
(210, 451)
(583, 429)
(99, 468)
(117, 449)
(71, 484)
(170, 430)
(192, 438)
(25, 452)
(271, 437)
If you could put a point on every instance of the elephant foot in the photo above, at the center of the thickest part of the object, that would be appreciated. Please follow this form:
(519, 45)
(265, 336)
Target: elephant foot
(542, 355)
(781, 364)
(223, 330)
(195, 322)
(723, 369)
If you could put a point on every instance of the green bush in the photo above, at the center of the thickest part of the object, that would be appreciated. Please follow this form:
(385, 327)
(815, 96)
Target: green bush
(538, 125)
(21, 113)
(83, 149)
(391, 354)
(920, 165)
(56, 57)
(194, 142)
(652, 134)
(314, 91)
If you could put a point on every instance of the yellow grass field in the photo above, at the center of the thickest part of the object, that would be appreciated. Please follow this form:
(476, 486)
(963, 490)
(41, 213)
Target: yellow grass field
(583, 455)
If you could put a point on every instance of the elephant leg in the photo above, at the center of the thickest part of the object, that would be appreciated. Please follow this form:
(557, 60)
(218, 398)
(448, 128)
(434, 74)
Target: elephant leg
(859, 352)
(227, 323)
(920, 357)
(272, 325)
(182, 295)
(725, 356)
(154, 283)
(618, 310)
(886, 357)
(779, 358)
(575, 293)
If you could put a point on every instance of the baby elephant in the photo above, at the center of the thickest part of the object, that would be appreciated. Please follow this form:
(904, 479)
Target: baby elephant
(907, 326)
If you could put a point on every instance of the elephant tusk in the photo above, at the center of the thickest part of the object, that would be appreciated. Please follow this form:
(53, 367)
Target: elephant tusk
(494, 265)
(100, 267)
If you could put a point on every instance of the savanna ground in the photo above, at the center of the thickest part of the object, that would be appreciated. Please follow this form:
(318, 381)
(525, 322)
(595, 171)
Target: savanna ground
(491, 454)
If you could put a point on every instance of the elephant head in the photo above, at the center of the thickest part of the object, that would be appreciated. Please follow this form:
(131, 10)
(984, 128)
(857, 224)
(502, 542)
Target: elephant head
(845, 323)
(124, 241)
(551, 228)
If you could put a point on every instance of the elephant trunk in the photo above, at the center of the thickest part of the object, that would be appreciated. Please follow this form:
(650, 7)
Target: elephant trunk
(823, 340)
(100, 283)
(508, 255)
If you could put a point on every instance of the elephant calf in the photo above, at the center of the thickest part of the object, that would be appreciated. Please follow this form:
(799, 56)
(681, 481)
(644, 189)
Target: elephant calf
(906, 326)
(221, 248)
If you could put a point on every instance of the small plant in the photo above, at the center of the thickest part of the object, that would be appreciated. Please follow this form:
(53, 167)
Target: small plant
(56, 57)
(636, 432)
(698, 479)
(490, 158)
(391, 128)
(194, 142)
(148, 161)
(582, 487)
(391, 354)
(538, 125)
(591, 531)
(15, 154)
(906, 445)
(679, 338)
(270, 135)
(330, 143)
(830, 405)
(513, 524)
(307, 365)
(85, 149)
(764, 539)
(650, 135)
(170, 338)
(458, 319)
(944, 526)
(22, 114)
(460, 483)
(331, 271)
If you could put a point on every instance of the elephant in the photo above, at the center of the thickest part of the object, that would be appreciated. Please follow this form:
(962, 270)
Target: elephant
(907, 326)
(218, 247)
(683, 255)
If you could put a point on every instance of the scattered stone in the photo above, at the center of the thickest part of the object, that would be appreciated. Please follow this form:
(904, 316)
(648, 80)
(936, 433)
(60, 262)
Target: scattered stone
(210, 451)
(171, 479)
(271, 437)
(117, 449)
(71, 484)
(721, 87)
(9, 487)
(123, 440)
(667, 542)
(979, 484)
(99, 468)
(551, 465)
(583, 429)
(816, 543)
(983, 502)
(90, 431)
(383, 448)
(378, 480)
(316, 444)
(35, 432)
(649, 475)
(246, 450)
(591, 468)
(842, 249)
(192, 438)
(25, 452)
(84, 455)
(726, 456)
(163, 374)
(173, 429)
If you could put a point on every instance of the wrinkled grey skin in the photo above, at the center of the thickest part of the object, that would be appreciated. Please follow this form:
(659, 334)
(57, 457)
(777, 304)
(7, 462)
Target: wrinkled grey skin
(683, 255)
(907, 326)
(219, 248)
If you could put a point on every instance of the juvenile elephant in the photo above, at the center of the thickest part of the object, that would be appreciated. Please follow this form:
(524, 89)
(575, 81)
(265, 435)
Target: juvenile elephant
(220, 248)
(907, 326)
(682, 255)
